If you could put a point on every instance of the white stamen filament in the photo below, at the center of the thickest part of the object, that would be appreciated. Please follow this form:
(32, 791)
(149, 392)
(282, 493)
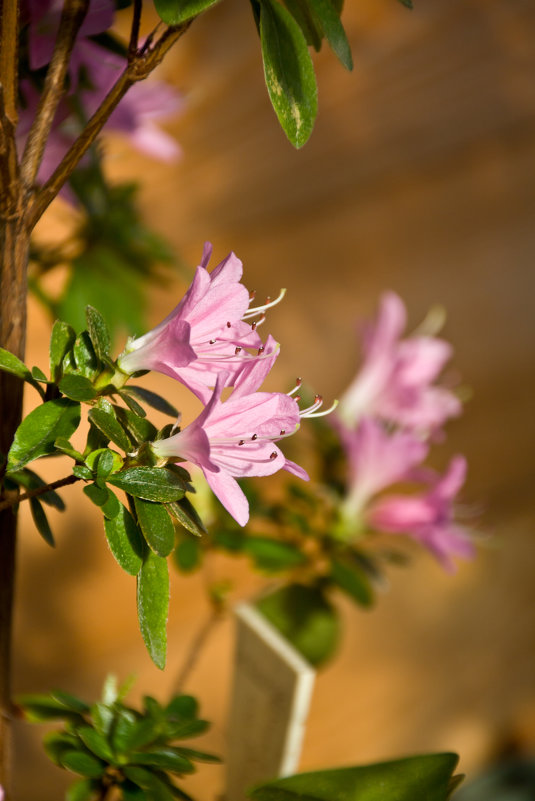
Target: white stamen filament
(312, 410)
(294, 390)
(255, 310)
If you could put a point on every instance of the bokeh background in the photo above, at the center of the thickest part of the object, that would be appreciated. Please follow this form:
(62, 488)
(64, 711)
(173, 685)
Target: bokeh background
(419, 177)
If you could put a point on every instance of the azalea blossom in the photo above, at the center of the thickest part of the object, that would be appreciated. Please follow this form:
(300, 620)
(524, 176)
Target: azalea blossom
(428, 517)
(376, 460)
(396, 380)
(207, 334)
(236, 438)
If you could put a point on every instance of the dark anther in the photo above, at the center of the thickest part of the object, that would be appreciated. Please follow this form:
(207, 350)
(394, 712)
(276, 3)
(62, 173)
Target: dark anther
(252, 294)
(253, 326)
(297, 398)
(273, 455)
(238, 350)
(229, 325)
(283, 432)
(261, 349)
(317, 398)
(241, 442)
(255, 436)
(212, 342)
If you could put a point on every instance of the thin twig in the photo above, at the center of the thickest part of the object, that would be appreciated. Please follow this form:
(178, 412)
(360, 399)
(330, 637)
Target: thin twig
(9, 26)
(197, 647)
(72, 17)
(24, 496)
(134, 33)
(138, 69)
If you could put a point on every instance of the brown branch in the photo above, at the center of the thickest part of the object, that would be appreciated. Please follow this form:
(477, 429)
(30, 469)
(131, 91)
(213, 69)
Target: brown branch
(138, 69)
(9, 27)
(134, 33)
(72, 17)
(24, 496)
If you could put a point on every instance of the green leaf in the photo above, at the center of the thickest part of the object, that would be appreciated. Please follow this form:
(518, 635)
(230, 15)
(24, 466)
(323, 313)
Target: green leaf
(82, 763)
(41, 521)
(102, 716)
(63, 445)
(333, 29)
(418, 778)
(112, 508)
(96, 743)
(125, 541)
(151, 483)
(152, 399)
(351, 579)
(107, 423)
(188, 554)
(163, 758)
(38, 431)
(77, 387)
(103, 461)
(61, 341)
(174, 12)
(156, 789)
(97, 495)
(70, 702)
(82, 790)
(288, 71)
(39, 708)
(302, 13)
(143, 732)
(305, 617)
(139, 428)
(38, 374)
(273, 555)
(10, 364)
(200, 756)
(125, 721)
(153, 605)
(186, 514)
(58, 743)
(156, 525)
(132, 403)
(81, 471)
(99, 333)
(85, 358)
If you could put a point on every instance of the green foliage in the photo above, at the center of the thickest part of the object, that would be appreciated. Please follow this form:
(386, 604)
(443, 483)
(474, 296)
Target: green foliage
(125, 540)
(10, 364)
(418, 778)
(306, 618)
(288, 71)
(113, 746)
(156, 526)
(153, 605)
(150, 483)
(174, 12)
(37, 433)
(349, 576)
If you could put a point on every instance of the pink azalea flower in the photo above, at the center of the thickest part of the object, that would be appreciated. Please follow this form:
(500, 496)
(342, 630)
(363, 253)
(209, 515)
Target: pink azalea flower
(236, 439)
(205, 335)
(429, 517)
(377, 459)
(396, 379)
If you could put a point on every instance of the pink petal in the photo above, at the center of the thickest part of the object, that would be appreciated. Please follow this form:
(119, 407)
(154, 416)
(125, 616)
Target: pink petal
(229, 493)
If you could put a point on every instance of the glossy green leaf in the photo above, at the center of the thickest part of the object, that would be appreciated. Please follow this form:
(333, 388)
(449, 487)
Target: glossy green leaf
(288, 71)
(132, 403)
(112, 507)
(272, 555)
(38, 431)
(301, 11)
(63, 445)
(41, 521)
(306, 618)
(156, 525)
(61, 341)
(38, 375)
(200, 756)
(104, 461)
(188, 554)
(418, 778)
(97, 495)
(350, 578)
(58, 743)
(155, 788)
(39, 708)
(70, 702)
(83, 472)
(99, 333)
(142, 733)
(154, 400)
(85, 357)
(77, 387)
(329, 21)
(125, 541)
(10, 364)
(163, 758)
(102, 716)
(174, 12)
(125, 721)
(141, 429)
(82, 763)
(108, 424)
(186, 514)
(96, 743)
(153, 605)
(151, 483)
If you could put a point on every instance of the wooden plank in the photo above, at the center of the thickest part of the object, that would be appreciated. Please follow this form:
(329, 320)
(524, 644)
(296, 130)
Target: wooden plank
(270, 701)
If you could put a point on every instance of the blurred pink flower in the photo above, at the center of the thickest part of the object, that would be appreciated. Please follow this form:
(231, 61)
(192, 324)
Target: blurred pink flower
(377, 459)
(395, 382)
(429, 517)
(205, 334)
(236, 439)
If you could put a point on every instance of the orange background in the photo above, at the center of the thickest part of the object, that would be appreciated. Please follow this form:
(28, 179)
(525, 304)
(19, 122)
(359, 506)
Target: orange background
(419, 177)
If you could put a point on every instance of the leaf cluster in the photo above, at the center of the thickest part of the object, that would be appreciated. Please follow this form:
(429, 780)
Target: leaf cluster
(112, 745)
(139, 525)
